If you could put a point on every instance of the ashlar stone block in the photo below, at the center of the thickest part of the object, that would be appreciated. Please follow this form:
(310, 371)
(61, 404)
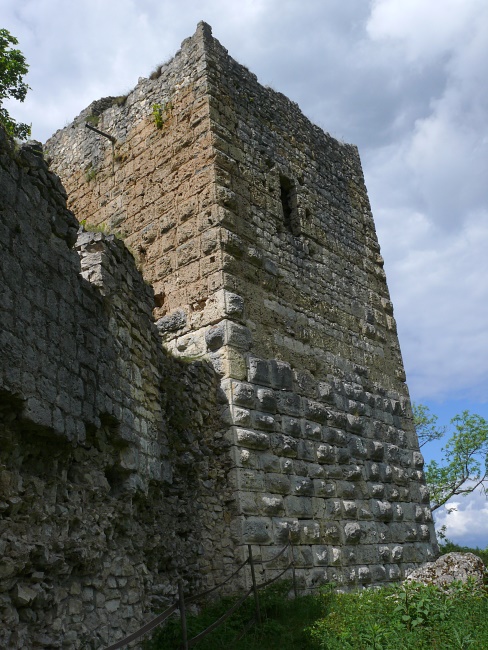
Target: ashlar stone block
(309, 532)
(271, 504)
(289, 403)
(326, 454)
(259, 371)
(257, 530)
(278, 483)
(266, 400)
(281, 375)
(291, 426)
(321, 555)
(316, 412)
(252, 439)
(269, 462)
(285, 529)
(242, 394)
(352, 533)
(300, 507)
(302, 486)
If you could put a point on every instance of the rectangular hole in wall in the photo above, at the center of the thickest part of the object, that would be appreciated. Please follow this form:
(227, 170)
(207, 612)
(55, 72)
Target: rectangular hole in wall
(289, 205)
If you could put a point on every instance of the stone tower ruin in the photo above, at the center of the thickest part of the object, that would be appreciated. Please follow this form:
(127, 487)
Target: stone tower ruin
(254, 229)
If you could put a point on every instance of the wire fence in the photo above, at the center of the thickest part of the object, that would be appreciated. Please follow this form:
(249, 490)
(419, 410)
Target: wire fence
(182, 603)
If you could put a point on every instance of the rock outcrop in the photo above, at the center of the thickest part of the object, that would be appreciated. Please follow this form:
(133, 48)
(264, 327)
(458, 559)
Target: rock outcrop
(450, 568)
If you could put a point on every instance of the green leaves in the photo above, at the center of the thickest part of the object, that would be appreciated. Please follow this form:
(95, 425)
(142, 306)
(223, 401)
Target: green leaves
(12, 70)
(409, 616)
(421, 604)
(426, 424)
(464, 465)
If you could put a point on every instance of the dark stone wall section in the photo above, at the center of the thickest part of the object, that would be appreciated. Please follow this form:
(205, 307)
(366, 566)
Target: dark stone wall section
(112, 470)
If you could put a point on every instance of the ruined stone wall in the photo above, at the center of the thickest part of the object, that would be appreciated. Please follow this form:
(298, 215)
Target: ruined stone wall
(265, 262)
(113, 467)
(156, 190)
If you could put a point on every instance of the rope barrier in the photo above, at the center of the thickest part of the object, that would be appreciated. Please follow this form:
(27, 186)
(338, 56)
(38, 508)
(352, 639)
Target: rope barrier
(182, 602)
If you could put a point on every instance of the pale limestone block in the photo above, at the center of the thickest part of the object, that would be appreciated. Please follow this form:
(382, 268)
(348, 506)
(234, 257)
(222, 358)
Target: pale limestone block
(240, 416)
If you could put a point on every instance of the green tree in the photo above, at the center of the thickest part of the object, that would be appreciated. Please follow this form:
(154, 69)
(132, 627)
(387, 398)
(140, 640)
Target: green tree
(464, 464)
(12, 70)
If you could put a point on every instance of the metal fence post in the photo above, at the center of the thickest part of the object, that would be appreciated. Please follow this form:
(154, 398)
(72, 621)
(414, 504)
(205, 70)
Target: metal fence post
(254, 585)
(295, 590)
(181, 602)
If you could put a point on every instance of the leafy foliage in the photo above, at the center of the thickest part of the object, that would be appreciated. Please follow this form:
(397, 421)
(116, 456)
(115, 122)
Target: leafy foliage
(410, 616)
(160, 113)
(12, 70)
(157, 114)
(464, 466)
(426, 424)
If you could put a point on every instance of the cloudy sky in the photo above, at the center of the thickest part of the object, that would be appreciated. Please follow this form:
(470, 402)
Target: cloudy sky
(404, 80)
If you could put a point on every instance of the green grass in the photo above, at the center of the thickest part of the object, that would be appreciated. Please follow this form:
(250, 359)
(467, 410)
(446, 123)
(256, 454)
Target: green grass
(283, 627)
(397, 617)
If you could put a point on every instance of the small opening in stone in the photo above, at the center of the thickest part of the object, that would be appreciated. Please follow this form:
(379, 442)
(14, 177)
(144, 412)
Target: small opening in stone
(159, 299)
(286, 187)
(289, 204)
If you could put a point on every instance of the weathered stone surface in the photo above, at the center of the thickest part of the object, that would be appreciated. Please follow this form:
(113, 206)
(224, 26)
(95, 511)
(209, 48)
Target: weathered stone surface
(113, 464)
(172, 322)
(253, 228)
(449, 568)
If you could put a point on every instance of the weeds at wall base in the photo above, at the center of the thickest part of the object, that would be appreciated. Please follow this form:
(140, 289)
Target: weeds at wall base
(397, 617)
(407, 617)
(283, 627)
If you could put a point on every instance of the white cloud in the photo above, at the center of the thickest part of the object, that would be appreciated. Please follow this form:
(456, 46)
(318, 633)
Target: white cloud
(467, 524)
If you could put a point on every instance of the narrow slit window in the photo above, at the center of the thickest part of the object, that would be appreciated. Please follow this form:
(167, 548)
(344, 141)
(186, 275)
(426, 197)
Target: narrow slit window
(289, 204)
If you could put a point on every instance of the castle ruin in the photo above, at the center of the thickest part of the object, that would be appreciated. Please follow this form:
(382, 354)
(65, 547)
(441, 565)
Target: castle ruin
(242, 385)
